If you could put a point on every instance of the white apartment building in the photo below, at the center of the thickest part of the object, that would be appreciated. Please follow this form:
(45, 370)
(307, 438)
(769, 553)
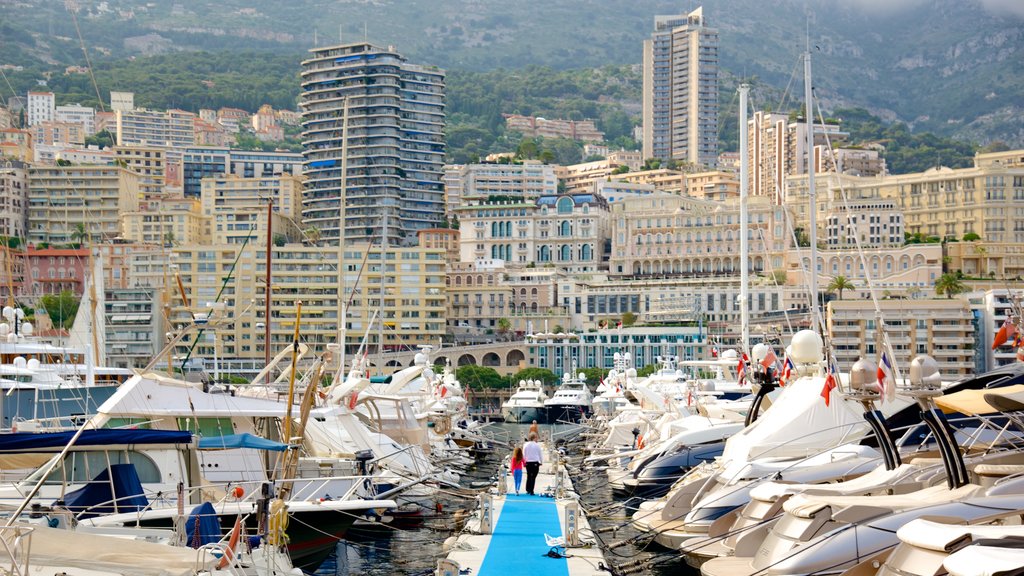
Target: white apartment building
(78, 114)
(41, 107)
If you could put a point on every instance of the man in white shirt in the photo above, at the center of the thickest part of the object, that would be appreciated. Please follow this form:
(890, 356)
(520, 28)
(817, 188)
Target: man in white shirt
(533, 456)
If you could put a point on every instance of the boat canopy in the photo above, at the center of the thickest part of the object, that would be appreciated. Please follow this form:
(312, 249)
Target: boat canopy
(975, 402)
(29, 441)
(243, 440)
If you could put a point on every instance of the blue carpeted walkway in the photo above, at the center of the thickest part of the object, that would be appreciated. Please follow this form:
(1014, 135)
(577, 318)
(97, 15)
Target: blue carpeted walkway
(517, 546)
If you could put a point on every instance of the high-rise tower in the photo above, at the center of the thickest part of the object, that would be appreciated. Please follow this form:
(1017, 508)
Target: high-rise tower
(680, 93)
(392, 115)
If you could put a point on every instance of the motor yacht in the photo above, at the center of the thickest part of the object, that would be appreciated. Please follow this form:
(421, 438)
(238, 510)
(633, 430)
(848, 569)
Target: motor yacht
(527, 404)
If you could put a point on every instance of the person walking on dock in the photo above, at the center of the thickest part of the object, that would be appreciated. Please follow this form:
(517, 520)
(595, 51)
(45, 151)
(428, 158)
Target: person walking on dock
(534, 429)
(516, 465)
(533, 456)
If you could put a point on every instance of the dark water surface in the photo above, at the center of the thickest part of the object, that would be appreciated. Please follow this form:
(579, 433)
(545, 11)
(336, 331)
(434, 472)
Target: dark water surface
(415, 551)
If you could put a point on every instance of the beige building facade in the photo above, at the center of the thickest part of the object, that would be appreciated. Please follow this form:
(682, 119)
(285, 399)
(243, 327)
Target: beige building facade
(942, 328)
(63, 197)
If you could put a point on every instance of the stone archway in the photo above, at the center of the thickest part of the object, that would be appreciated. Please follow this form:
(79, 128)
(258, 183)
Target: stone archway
(492, 359)
(466, 360)
(514, 358)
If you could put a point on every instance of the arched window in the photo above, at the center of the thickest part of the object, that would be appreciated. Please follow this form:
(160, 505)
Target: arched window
(545, 254)
(564, 205)
(564, 229)
(566, 253)
(494, 229)
(585, 253)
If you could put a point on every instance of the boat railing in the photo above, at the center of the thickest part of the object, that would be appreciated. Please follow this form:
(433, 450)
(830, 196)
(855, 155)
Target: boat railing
(16, 543)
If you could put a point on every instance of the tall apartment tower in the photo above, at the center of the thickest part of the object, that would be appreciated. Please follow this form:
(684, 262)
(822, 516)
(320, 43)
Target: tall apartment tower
(41, 107)
(680, 93)
(394, 159)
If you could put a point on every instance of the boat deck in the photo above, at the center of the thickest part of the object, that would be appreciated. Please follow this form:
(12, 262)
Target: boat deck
(517, 544)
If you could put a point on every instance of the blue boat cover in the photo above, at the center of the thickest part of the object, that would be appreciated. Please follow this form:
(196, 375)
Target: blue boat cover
(202, 526)
(243, 440)
(30, 441)
(95, 498)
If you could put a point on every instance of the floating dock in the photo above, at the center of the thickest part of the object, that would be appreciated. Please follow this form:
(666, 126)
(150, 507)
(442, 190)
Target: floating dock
(509, 533)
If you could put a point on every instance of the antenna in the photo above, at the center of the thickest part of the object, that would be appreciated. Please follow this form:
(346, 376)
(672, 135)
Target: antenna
(366, 37)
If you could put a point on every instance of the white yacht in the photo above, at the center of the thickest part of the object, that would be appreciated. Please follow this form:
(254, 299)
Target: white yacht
(571, 402)
(526, 405)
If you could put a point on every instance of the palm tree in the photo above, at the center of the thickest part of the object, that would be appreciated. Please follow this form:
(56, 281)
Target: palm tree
(169, 239)
(840, 283)
(949, 284)
(504, 328)
(79, 235)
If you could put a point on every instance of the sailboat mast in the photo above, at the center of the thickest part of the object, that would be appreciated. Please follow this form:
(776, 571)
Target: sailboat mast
(342, 307)
(268, 292)
(744, 223)
(383, 277)
(812, 232)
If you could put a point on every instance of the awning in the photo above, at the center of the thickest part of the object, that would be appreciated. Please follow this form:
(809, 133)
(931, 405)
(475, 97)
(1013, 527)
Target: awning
(243, 440)
(30, 441)
(974, 402)
(1008, 399)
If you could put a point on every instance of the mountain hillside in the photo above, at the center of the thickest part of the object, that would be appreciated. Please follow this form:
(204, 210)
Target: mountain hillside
(955, 67)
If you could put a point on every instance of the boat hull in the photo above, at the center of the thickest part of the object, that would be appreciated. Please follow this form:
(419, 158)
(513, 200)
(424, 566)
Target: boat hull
(562, 413)
(523, 414)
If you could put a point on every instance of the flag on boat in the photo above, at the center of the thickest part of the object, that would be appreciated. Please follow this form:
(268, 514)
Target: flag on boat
(1006, 331)
(886, 380)
(830, 385)
(714, 351)
(444, 390)
(787, 371)
(770, 359)
(741, 370)
(1018, 339)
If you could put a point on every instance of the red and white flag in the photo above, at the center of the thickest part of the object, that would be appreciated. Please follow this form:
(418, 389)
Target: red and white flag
(770, 359)
(886, 380)
(1006, 331)
(742, 369)
(830, 385)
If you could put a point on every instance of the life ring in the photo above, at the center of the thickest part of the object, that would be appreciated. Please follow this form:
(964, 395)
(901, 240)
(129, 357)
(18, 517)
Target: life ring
(229, 552)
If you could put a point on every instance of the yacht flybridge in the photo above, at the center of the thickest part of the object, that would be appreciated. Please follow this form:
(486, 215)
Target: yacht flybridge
(527, 404)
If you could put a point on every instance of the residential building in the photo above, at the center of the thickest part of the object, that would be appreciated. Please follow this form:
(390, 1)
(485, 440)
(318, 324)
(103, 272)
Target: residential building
(62, 198)
(616, 190)
(592, 149)
(41, 107)
(567, 231)
(49, 133)
(528, 180)
(680, 90)
(7, 118)
(212, 134)
(910, 269)
(12, 273)
(713, 185)
(941, 328)
(85, 116)
(580, 178)
(134, 326)
(204, 161)
(663, 179)
(118, 256)
(264, 118)
(167, 222)
(122, 101)
(169, 129)
(16, 144)
(991, 309)
(777, 149)
(446, 239)
(531, 126)
(666, 234)
(980, 259)
(148, 163)
(453, 182)
(13, 198)
(535, 305)
(985, 199)
(230, 192)
(864, 223)
(857, 161)
(409, 289)
(72, 154)
(54, 270)
(385, 182)
(477, 297)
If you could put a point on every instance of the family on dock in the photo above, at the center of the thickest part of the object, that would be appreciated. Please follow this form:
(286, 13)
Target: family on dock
(530, 457)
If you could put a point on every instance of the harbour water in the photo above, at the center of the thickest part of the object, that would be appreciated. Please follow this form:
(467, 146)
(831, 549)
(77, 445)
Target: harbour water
(415, 551)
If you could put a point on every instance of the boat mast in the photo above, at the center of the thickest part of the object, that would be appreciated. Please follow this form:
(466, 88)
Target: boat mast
(342, 304)
(268, 292)
(744, 223)
(812, 232)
